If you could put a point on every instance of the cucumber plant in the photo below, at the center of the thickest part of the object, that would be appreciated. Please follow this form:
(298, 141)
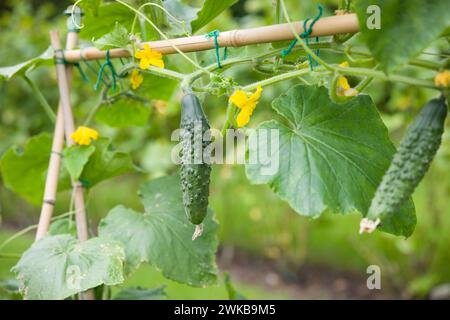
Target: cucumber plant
(195, 170)
(412, 159)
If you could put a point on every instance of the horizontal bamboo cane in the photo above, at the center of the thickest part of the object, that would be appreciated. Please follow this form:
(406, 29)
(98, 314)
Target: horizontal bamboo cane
(236, 38)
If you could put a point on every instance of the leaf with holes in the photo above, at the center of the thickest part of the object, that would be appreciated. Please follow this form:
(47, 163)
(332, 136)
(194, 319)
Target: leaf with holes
(330, 157)
(163, 234)
(57, 267)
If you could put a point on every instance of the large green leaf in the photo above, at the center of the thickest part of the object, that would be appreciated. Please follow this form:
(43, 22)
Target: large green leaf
(26, 66)
(99, 22)
(124, 113)
(182, 12)
(210, 10)
(407, 27)
(331, 156)
(118, 38)
(24, 170)
(162, 235)
(57, 267)
(139, 293)
(105, 163)
(75, 158)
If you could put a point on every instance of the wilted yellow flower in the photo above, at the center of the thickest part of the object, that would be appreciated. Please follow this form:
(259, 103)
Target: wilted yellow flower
(368, 226)
(344, 64)
(136, 79)
(247, 103)
(160, 106)
(442, 79)
(149, 57)
(84, 135)
(343, 89)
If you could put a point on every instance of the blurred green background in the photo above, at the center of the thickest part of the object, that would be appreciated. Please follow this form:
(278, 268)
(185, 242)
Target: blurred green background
(269, 250)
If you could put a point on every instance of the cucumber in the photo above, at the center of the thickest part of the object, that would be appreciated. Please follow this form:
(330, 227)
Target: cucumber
(411, 161)
(195, 170)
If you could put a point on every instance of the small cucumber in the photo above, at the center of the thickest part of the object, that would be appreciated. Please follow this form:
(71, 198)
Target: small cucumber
(195, 170)
(412, 160)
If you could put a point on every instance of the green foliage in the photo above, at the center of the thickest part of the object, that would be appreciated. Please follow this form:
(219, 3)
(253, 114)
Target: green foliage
(162, 235)
(124, 113)
(233, 294)
(63, 226)
(139, 293)
(195, 171)
(75, 158)
(118, 38)
(391, 45)
(105, 163)
(27, 66)
(328, 161)
(209, 11)
(24, 170)
(158, 88)
(412, 160)
(107, 15)
(57, 267)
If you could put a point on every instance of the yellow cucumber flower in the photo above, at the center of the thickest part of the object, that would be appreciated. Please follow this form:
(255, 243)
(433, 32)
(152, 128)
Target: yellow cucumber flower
(148, 57)
(247, 103)
(136, 79)
(84, 135)
(442, 79)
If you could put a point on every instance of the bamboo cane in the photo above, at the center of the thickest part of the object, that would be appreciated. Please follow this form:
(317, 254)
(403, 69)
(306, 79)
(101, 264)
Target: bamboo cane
(51, 182)
(236, 38)
(69, 128)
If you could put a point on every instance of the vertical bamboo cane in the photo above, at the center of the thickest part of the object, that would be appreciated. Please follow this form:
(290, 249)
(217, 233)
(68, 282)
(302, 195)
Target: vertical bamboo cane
(69, 128)
(51, 183)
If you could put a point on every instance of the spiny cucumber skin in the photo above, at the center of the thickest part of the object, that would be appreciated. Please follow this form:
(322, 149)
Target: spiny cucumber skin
(195, 177)
(412, 160)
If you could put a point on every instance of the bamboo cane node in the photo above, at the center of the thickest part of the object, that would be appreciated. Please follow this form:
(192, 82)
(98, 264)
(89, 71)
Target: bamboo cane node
(233, 39)
(57, 153)
(49, 202)
(59, 57)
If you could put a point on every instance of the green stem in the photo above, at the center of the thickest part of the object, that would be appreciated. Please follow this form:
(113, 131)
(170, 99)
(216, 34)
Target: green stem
(382, 76)
(43, 102)
(417, 62)
(166, 73)
(94, 110)
(10, 256)
(230, 119)
(237, 61)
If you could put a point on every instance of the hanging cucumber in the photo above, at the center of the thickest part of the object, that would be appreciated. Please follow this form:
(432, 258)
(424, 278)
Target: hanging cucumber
(412, 160)
(195, 170)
